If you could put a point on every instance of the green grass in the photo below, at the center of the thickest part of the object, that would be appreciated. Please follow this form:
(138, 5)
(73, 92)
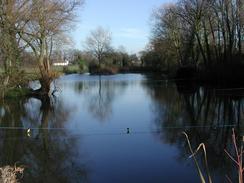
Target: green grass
(33, 72)
(17, 92)
(71, 69)
(30, 70)
(1, 70)
(57, 68)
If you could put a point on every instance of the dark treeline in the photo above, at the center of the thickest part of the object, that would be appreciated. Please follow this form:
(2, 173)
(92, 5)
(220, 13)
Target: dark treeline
(202, 34)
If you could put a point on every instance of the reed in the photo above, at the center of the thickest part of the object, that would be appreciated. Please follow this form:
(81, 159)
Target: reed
(236, 158)
(193, 155)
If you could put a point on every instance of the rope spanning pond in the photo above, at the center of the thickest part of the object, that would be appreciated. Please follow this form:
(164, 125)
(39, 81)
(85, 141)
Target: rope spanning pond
(116, 131)
(166, 127)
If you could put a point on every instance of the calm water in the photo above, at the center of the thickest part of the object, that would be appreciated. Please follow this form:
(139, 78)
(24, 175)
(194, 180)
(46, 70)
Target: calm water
(120, 129)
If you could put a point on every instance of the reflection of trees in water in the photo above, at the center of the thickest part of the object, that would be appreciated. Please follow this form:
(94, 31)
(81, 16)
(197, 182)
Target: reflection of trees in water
(100, 95)
(9, 148)
(204, 108)
(50, 155)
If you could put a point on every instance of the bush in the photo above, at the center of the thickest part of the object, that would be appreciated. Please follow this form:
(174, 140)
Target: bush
(103, 70)
(81, 65)
(17, 92)
(93, 68)
(72, 69)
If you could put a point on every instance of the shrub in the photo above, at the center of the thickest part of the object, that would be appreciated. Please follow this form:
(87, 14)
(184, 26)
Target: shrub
(93, 68)
(81, 65)
(72, 69)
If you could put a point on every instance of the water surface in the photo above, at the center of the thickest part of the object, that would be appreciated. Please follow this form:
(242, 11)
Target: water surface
(121, 128)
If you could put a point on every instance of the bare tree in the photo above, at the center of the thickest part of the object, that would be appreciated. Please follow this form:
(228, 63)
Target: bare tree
(200, 32)
(49, 18)
(34, 25)
(99, 43)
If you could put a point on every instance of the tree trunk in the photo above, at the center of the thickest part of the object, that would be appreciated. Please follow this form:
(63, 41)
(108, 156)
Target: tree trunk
(45, 81)
(44, 67)
(209, 59)
(201, 50)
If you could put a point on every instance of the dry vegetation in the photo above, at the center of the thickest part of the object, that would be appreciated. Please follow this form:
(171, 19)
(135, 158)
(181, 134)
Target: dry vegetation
(10, 174)
(236, 158)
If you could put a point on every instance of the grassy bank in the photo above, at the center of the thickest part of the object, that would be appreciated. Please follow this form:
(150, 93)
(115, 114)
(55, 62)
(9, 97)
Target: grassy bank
(71, 69)
(59, 69)
(16, 93)
(16, 85)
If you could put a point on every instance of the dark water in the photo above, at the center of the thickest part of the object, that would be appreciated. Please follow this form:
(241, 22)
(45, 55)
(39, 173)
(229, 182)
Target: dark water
(121, 129)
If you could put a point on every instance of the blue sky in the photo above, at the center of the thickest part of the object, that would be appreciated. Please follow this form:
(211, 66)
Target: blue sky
(128, 20)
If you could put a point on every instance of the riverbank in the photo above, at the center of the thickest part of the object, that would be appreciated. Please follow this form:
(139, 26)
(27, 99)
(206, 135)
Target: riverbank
(16, 84)
(229, 75)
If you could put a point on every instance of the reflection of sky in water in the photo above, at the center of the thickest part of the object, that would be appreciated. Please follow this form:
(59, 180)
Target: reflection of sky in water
(118, 104)
(2, 111)
(32, 119)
